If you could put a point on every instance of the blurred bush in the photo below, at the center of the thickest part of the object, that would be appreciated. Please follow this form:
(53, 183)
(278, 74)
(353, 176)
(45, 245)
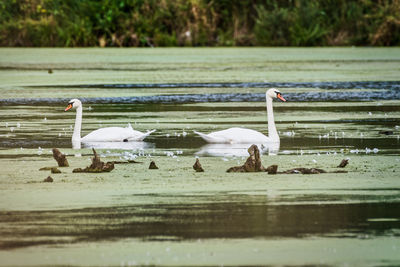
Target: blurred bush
(199, 22)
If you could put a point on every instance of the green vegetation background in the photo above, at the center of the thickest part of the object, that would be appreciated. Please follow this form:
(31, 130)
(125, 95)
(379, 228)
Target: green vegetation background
(59, 23)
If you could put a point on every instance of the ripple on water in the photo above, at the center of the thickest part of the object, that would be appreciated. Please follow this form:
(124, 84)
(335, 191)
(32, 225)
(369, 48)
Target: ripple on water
(228, 97)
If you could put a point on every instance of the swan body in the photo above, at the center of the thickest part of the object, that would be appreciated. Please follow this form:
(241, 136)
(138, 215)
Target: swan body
(115, 134)
(108, 134)
(234, 135)
(238, 135)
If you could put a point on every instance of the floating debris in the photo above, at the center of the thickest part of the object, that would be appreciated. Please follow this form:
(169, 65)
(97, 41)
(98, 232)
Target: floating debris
(386, 132)
(153, 165)
(46, 169)
(253, 164)
(340, 171)
(124, 162)
(60, 158)
(97, 165)
(273, 169)
(55, 170)
(48, 180)
(197, 166)
(343, 163)
(305, 171)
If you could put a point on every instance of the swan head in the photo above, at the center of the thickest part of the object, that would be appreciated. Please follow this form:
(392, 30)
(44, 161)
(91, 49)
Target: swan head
(73, 104)
(275, 93)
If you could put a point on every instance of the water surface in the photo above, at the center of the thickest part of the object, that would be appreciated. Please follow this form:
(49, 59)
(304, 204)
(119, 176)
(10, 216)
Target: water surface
(342, 103)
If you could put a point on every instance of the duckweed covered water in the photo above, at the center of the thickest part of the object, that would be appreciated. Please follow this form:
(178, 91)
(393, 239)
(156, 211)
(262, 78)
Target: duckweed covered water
(342, 103)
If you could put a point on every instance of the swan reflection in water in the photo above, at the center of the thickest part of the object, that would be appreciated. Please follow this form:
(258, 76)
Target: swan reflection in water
(132, 145)
(236, 150)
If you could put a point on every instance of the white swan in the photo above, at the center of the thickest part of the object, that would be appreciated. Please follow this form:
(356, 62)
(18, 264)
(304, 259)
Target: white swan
(108, 134)
(242, 135)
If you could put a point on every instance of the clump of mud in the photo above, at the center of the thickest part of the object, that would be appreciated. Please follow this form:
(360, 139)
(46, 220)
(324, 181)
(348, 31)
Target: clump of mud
(97, 165)
(197, 166)
(60, 158)
(124, 162)
(46, 168)
(386, 132)
(273, 169)
(305, 171)
(253, 163)
(153, 165)
(48, 180)
(343, 163)
(55, 170)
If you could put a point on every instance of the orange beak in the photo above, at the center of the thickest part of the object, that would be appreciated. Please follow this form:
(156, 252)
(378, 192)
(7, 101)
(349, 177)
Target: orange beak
(68, 107)
(281, 97)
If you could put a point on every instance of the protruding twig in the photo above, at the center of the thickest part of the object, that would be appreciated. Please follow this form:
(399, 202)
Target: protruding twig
(97, 165)
(60, 158)
(252, 164)
(343, 163)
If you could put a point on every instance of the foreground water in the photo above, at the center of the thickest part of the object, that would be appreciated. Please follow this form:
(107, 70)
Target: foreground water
(173, 215)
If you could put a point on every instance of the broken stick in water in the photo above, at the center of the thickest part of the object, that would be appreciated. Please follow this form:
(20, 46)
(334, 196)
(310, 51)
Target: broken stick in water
(343, 163)
(97, 165)
(60, 158)
(252, 164)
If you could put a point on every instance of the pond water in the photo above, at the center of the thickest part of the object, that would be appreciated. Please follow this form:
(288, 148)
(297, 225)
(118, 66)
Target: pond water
(341, 103)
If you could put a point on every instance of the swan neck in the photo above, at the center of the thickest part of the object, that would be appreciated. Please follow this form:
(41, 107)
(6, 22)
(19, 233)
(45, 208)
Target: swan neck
(76, 136)
(272, 132)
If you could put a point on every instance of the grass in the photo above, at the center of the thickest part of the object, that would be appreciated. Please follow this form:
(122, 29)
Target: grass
(127, 23)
